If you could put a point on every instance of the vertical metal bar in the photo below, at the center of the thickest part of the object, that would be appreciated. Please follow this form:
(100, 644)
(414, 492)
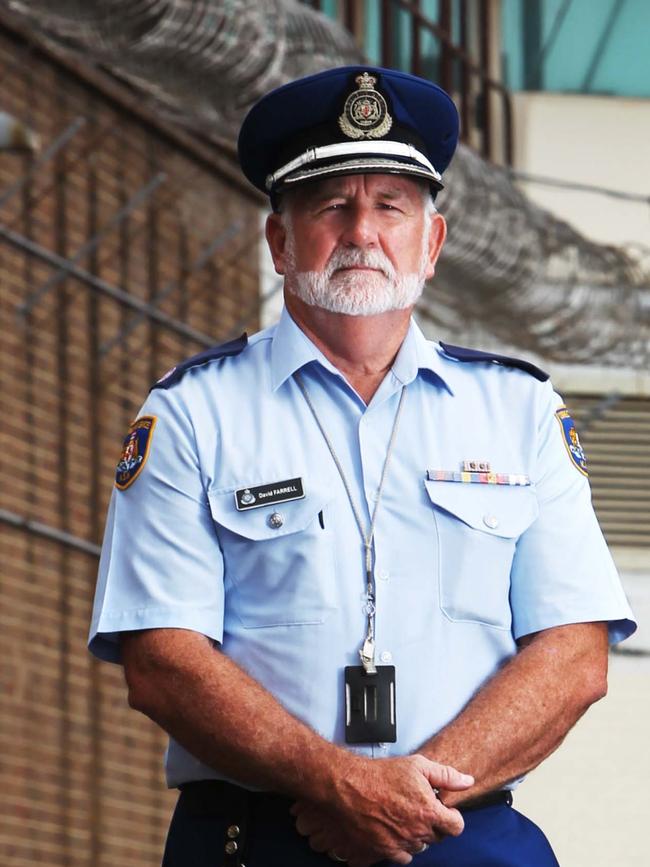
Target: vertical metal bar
(94, 414)
(181, 280)
(154, 251)
(63, 499)
(24, 186)
(446, 57)
(532, 42)
(386, 20)
(30, 333)
(352, 17)
(486, 91)
(213, 280)
(465, 76)
(508, 128)
(416, 41)
(152, 264)
(126, 240)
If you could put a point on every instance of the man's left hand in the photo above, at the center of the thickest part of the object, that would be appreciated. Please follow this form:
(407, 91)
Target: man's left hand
(328, 833)
(387, 818)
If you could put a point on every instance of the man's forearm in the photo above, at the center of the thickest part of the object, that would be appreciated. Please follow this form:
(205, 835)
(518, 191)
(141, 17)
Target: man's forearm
(224, 717)
(231, 723)
(523, 713)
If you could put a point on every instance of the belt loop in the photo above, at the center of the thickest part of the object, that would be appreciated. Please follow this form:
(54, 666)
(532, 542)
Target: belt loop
(237, 816)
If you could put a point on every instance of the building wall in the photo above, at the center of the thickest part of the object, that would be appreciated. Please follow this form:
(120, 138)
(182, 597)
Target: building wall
(600, 141)
(577, 47)
(81, 773)
(590, 796)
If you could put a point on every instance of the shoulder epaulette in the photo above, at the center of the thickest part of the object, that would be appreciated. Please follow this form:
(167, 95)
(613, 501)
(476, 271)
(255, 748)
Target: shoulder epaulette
(222, 350)
(460, 353)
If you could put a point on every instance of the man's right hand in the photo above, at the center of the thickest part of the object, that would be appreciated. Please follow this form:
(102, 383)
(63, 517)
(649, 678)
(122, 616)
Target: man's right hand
(381, 808)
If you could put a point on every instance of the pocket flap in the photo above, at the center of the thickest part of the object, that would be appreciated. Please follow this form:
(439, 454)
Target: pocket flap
(500, 510)
(254, 524)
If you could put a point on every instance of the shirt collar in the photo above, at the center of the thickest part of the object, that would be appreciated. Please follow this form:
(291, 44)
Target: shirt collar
(292, 350)
(416, 354)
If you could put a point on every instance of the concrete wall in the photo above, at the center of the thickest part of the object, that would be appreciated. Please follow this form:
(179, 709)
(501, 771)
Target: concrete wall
(596, 140)
(591, 796)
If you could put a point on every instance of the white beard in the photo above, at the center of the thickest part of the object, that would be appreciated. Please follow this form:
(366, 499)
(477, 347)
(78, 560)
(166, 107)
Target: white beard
(355, 293)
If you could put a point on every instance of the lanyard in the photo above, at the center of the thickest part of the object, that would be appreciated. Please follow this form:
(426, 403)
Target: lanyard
(367, 650)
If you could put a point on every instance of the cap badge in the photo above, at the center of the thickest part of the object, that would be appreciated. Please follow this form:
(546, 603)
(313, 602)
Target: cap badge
(365, 113)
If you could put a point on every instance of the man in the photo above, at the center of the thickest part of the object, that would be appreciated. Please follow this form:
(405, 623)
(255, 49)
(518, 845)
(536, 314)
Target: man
(356, 575)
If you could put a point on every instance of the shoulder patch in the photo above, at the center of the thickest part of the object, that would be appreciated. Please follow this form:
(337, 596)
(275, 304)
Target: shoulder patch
(222, 350)
(571, 439)
(135, 451)
(462, 354)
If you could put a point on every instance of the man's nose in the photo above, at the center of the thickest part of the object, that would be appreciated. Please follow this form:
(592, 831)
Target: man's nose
(360, 228)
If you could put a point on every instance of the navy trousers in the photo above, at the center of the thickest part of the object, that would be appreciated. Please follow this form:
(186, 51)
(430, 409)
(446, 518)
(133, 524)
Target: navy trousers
(261, 833)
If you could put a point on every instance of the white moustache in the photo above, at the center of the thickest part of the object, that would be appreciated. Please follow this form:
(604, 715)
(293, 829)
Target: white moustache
(356, 257)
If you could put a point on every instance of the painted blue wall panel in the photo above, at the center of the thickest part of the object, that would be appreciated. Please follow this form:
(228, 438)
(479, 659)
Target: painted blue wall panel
(585, 46)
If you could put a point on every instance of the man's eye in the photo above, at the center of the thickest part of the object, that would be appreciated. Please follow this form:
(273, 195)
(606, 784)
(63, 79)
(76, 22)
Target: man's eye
(329, 206)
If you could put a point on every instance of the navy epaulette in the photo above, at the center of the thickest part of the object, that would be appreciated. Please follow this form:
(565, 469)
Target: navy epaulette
(233, 347)
(462, 354)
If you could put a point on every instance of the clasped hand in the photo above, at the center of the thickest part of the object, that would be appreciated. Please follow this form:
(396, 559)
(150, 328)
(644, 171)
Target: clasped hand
(382, 808)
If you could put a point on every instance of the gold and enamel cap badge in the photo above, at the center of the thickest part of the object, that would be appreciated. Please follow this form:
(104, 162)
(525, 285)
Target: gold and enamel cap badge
(365, 113)
(349, 120)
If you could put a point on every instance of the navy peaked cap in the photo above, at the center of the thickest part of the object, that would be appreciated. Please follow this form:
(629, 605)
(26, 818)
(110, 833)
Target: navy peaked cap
(348, 120)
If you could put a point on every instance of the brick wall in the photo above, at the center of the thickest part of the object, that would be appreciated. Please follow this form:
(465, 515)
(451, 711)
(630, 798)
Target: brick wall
(81, 773)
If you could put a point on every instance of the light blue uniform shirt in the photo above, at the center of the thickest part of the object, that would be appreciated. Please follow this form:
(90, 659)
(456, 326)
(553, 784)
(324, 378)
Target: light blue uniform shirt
(462, 570)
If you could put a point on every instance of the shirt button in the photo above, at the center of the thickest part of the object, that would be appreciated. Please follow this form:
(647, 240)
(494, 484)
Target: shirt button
(383, 574)
(491, 521)
(275, 521)
(386, 656)
(233, 831)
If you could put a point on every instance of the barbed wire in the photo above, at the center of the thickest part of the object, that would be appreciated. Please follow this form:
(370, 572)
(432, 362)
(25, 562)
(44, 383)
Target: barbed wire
(509, 267)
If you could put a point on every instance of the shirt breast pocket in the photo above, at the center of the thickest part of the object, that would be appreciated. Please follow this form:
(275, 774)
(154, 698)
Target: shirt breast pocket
(477, 529)
(278, 572)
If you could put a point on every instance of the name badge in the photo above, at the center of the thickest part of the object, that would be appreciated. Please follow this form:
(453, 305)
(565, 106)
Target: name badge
(267, 495)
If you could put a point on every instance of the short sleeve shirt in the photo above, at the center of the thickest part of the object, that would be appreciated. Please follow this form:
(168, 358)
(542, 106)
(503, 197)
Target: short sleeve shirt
(463, 567)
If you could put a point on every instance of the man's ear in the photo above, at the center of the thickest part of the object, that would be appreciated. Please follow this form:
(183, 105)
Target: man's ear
(437, 235)
(276, 238)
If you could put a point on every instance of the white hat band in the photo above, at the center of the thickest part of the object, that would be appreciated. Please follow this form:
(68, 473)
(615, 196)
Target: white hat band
(384, 148)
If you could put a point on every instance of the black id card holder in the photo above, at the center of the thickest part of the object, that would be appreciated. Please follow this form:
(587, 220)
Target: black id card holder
(370, 705)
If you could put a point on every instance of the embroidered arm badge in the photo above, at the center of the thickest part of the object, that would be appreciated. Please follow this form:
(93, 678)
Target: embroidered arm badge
(135, 451)
(571, 439)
